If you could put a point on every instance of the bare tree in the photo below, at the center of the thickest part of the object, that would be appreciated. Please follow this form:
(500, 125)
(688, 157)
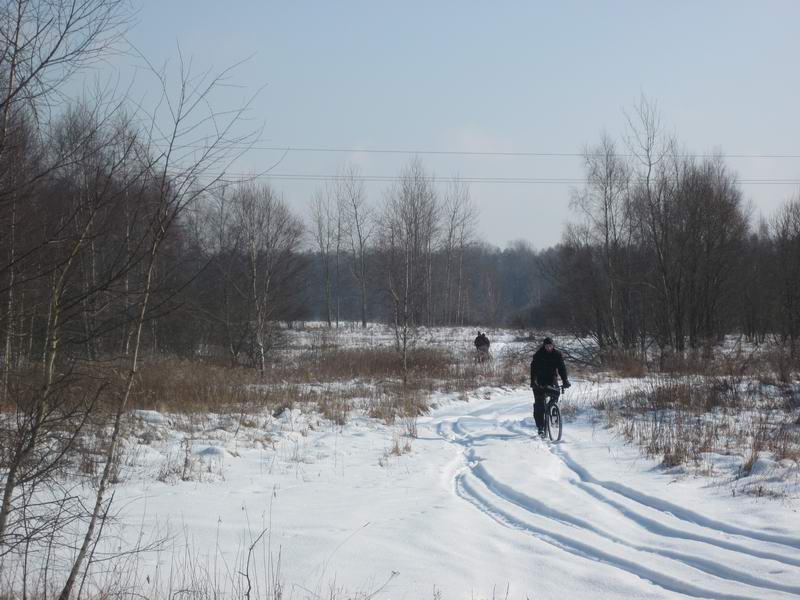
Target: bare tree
(656, 252)
(82, 213)
(224, 289)
(358, 229)
(460, 218)
(786, 235)
(658, 173)
(269, 239)
(408, 232)
(757, 298)
(604, 203)
(325, 231)
(176, 177)
(716, 226)
(43, 43)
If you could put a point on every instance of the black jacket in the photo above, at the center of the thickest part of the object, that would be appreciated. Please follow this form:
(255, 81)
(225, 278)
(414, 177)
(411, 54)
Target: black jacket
(545, 365)
(482, 341)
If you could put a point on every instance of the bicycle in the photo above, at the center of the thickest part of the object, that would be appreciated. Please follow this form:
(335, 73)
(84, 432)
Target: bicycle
(482, 354)
(552, 414)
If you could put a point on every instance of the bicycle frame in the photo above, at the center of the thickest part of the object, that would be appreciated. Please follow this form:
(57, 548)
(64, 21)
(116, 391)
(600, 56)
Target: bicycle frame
(552, 414)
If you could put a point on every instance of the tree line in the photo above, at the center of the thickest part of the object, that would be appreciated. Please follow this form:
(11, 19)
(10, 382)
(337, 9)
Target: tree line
(667, 254)
(411, 258)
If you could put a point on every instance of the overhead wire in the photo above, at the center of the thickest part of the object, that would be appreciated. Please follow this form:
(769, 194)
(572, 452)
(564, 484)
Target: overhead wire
(310, 177)
(501, 153)
(465, 179)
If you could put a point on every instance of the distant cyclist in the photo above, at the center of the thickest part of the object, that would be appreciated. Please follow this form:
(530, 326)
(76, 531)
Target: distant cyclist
(482, 342)
(545, 364)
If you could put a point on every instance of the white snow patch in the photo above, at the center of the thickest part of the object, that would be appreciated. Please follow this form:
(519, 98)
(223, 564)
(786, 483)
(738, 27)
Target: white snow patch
(150, 416)
(478, 507)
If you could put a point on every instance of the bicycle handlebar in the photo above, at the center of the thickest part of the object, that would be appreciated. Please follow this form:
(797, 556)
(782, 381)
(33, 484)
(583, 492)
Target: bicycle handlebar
(551, 388)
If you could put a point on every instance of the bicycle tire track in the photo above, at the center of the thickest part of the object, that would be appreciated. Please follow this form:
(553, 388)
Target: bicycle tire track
(677, 511)
(542, 509)
(470, 493)
(460, 432)
(660, 528)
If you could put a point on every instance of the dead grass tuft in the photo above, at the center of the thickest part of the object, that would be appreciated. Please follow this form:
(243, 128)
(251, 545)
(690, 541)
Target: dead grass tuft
(623, 364)
(341, 364)
(395, 402)
(329, 379)
(180, 386)
(679, 419)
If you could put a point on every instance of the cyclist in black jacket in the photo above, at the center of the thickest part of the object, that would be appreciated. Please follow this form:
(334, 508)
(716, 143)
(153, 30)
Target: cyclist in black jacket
(545, 364)
(482, 342)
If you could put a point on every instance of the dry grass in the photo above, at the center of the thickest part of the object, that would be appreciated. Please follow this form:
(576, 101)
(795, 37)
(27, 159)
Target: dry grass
(778, 366)
(739, 402)
(329, 379)
(679, 419)
(342, 364)
(622, 363)
(396, 401)
(179, 386)
(770, 364)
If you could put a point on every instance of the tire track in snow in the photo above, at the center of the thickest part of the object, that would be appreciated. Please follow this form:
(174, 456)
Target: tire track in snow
(542, 509)
(662, 529)
(589, 486)
(465, 489)
(679, 512)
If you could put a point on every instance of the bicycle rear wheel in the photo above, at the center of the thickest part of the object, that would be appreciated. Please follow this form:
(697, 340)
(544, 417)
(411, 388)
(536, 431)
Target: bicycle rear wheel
(553, 416)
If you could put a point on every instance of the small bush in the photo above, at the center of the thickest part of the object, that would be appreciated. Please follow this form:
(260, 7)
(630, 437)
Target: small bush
(334, 407)
(397, 402)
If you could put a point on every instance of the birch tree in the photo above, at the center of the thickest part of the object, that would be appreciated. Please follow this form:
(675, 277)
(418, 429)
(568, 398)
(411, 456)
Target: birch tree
(459, 217)
(325, 231)
(269, 239)
(359, 226)
(175, 179)
(409, 226)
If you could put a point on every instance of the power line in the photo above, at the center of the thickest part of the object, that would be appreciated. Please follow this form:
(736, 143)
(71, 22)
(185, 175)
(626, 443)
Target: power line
(422, 152)
(341, 150)
(504, 153)
(490, 180)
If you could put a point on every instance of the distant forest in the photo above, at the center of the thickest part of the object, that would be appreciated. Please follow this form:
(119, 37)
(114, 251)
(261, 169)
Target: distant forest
(101, 234)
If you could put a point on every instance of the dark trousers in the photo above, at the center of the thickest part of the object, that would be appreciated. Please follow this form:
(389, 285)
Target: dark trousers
(540, 398)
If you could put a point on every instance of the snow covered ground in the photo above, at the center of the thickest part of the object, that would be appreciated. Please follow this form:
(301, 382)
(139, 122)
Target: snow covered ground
(475, 507)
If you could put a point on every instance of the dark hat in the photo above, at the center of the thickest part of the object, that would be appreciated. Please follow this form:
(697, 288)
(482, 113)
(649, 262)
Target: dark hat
(547, 340)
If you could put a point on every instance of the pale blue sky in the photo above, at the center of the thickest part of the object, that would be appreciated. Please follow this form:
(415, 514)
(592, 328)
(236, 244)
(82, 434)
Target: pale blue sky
(503, 76)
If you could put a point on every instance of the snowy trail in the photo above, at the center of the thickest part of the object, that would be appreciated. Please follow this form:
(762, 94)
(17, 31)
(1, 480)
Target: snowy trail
(614, 495)
(670, 545)
(479, 507)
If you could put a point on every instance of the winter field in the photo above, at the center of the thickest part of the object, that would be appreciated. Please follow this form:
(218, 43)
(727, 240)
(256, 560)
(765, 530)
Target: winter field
(462, 502)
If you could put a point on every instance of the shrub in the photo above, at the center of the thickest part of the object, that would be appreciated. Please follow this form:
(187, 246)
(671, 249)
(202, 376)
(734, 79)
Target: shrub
(680, 418)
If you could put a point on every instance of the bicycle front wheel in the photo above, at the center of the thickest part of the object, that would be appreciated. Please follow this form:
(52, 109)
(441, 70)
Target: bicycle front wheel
(553, 422)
